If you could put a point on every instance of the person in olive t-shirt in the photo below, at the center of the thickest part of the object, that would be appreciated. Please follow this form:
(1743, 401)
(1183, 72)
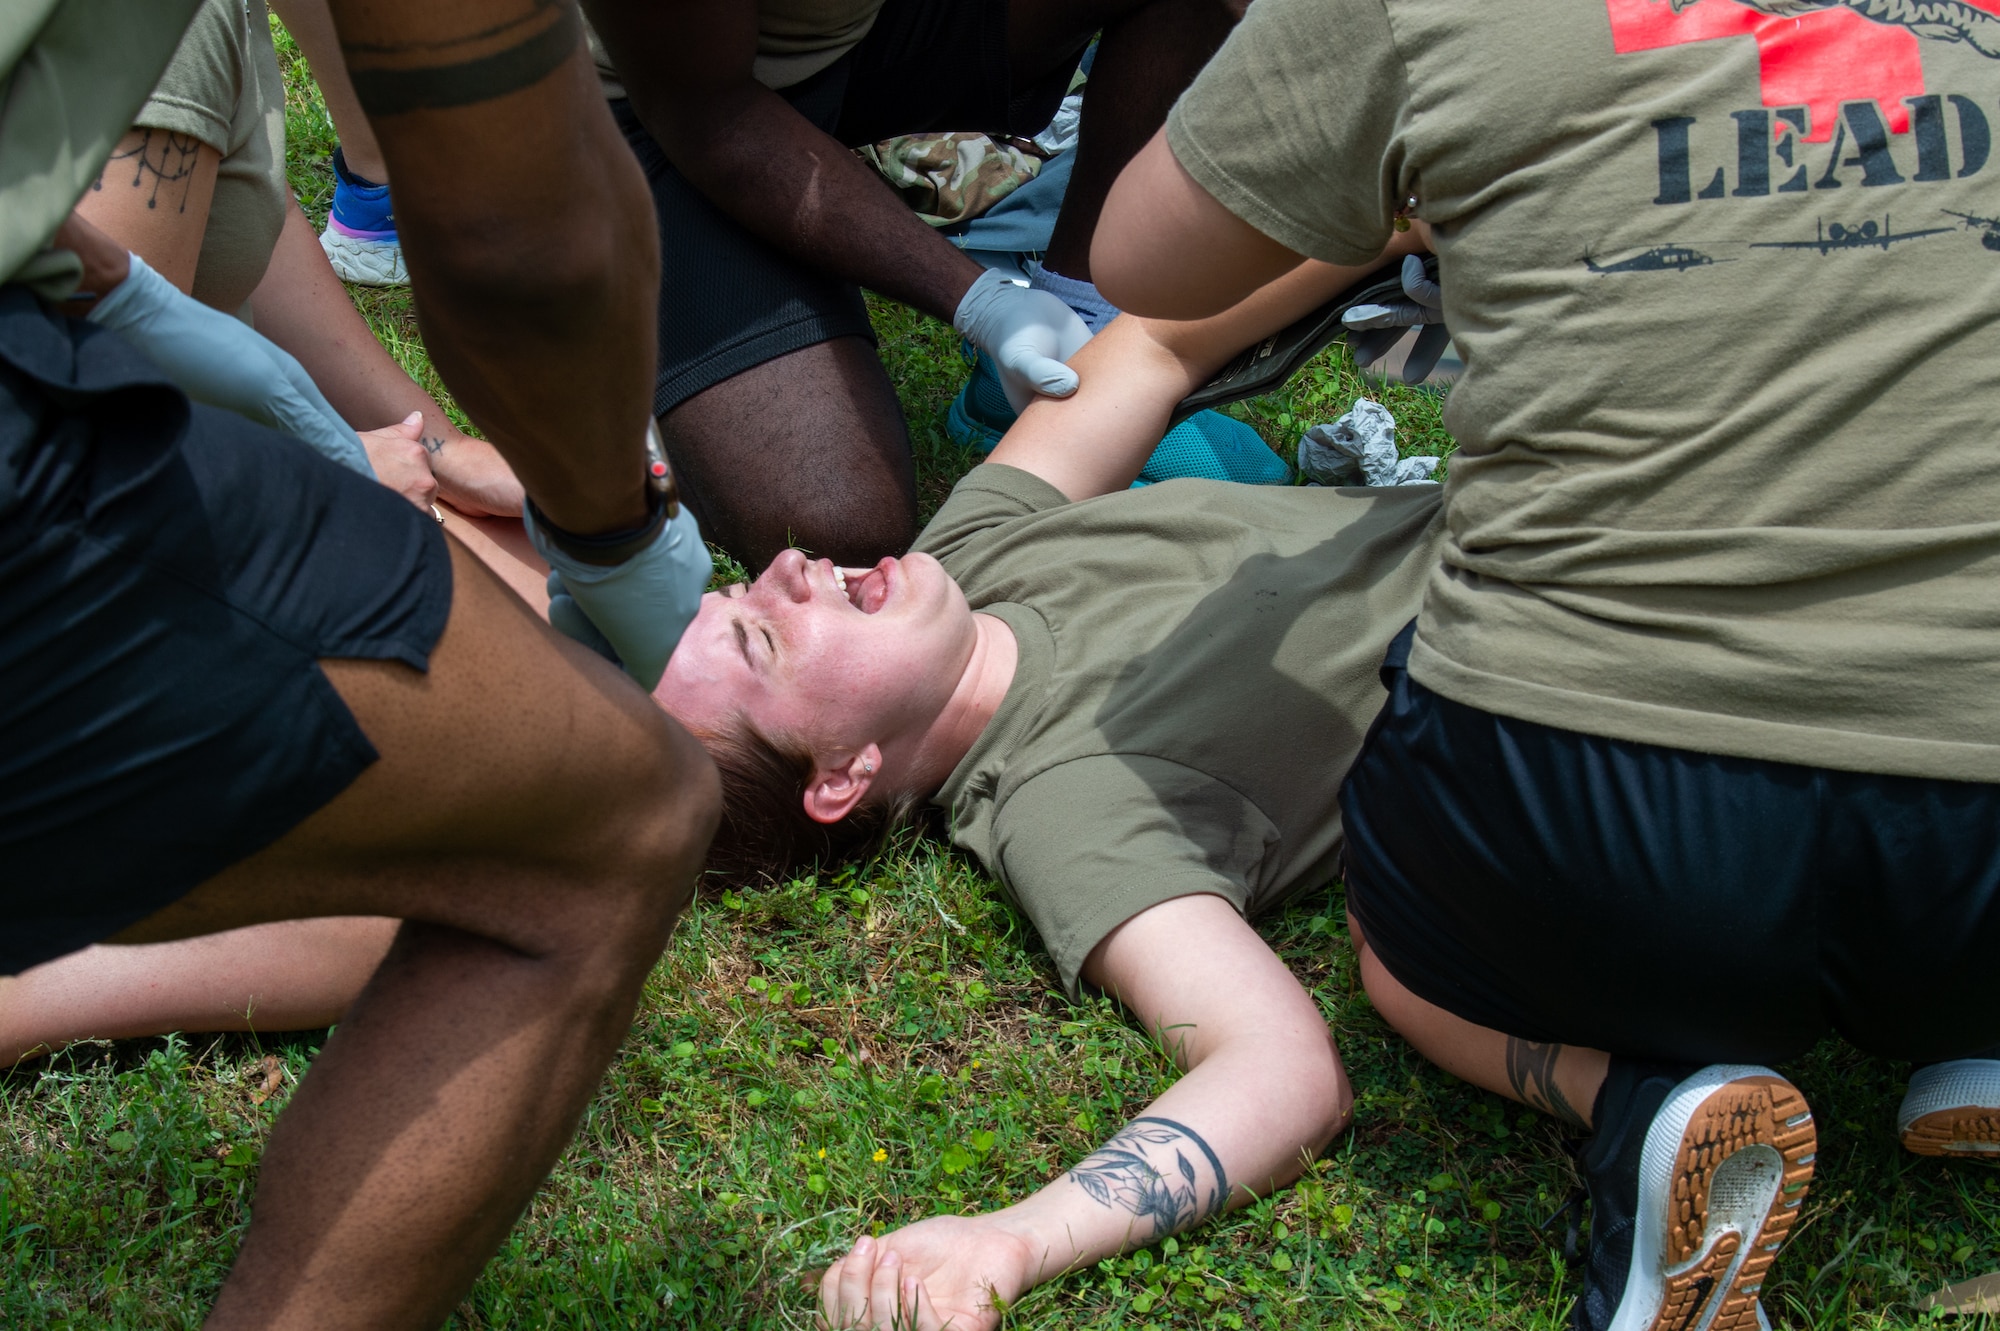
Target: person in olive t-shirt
(1690, 755)
(1134, 707)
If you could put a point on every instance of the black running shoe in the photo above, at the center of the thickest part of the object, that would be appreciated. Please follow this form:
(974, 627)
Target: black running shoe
(1694, 1183)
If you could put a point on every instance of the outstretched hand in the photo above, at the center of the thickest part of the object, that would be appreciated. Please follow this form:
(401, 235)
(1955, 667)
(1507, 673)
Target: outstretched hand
(950, 1271)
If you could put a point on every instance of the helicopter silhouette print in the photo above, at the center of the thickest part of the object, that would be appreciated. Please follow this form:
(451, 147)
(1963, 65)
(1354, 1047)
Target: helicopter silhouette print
(1659, 259)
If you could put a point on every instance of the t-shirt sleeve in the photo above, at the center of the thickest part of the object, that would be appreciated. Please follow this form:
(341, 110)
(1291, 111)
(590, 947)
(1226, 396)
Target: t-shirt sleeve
(985, 499)
(1090, 843)
(199, 90)
(1294, 126)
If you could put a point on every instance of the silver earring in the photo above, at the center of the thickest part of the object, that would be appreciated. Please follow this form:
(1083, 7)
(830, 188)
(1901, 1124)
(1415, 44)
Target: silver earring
(867, 767)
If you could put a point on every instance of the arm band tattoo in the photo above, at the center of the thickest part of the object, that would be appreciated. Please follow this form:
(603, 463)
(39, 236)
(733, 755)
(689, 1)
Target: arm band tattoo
(1531, 1071)
(1120, 1173)
(387, 92)
(167, 157)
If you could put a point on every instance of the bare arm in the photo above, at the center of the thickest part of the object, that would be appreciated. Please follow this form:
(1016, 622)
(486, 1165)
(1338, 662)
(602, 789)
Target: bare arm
(529, 237)
(301, 306)
(1264, 1092)
(153, 198)
(1137, 370)
(1155, 216)
(686, 66)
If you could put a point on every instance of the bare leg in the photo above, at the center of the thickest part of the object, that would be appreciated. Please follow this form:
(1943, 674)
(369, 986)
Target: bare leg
(1147, 57)
(808, 449)
(1553, 1078)
(288, 976)
(312, 28)
(537, 822)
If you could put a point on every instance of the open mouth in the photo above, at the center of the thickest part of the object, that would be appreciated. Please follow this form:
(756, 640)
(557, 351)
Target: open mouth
(866, 589)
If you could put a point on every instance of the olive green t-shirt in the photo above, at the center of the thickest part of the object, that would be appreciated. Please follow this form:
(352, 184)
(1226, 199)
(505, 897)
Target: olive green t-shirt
(1198, 666)
(223, 88)
(71, 74)
(1726, 282)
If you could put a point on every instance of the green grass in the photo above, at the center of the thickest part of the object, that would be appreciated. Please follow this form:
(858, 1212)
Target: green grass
(791, 1034)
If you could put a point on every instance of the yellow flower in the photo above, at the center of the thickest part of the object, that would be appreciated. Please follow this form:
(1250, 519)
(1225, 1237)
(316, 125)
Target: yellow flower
(822, 1153)
(880, 1155)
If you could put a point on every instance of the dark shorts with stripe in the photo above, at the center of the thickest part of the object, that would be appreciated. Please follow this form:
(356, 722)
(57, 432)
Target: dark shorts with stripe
(728, 301)
(170, 577)
(1666, 904)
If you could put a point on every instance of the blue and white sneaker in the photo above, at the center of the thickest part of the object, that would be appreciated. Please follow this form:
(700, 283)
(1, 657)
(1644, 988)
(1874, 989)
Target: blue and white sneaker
(1207, 445)
(1953, 1109)
(1695, 1182)
(360, 237)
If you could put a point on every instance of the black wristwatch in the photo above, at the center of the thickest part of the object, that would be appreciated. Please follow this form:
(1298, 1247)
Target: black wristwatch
(663, 504)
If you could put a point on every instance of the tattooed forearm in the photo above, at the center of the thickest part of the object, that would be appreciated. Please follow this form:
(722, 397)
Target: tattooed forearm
(1531, 1070)
(390, 80)
(159, 160)
(1146, 1169)
(434, 444)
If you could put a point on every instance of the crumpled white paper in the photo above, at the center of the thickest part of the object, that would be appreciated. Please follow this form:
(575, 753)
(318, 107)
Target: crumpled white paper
(1360, 449)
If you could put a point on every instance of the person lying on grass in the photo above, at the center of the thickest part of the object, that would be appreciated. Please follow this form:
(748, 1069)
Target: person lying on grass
(1135, 706)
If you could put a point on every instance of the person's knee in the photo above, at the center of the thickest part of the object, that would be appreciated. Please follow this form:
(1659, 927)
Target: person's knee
(657, 801)
(672, 803)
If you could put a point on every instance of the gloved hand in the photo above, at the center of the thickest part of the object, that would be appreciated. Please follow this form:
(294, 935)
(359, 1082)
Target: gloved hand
(631, 613)
(1374, 329)
(225, 363)
(1029, 334)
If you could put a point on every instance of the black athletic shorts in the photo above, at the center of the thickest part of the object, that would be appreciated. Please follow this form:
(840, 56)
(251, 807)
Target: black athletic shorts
(1666, 904)
(170, 576)
(730, 302)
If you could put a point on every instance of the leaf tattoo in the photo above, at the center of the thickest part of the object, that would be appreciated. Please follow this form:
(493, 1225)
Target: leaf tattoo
(1131, 1173)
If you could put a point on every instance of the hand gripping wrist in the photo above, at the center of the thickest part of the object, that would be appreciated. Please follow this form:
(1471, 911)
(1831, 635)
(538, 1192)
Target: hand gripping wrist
(1028, 334)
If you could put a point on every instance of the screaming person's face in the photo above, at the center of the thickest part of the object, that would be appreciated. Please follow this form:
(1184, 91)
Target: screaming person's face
(830, 667)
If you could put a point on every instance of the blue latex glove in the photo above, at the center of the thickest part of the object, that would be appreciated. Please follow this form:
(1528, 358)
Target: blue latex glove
(225, 363)
(1374, 329)
(635, 612)
(1028, 334)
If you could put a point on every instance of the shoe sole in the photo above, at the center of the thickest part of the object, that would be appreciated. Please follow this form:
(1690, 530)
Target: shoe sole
(365, 263)
(1722, 1178)
(1953, 1109)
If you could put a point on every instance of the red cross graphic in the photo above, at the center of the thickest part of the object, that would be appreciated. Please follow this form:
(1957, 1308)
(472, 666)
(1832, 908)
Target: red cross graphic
(1816, 60)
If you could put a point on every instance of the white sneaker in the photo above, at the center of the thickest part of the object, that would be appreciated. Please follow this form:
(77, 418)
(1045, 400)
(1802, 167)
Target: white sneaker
(368, 263)
(1953, 1109)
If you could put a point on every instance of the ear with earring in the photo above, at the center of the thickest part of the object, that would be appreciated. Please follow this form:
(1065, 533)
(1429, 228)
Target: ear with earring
(867, 767)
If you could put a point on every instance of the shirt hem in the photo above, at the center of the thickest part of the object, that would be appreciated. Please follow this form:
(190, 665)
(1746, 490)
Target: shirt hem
(178, 115)
(1076, 949)
(1701, 732)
